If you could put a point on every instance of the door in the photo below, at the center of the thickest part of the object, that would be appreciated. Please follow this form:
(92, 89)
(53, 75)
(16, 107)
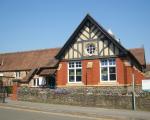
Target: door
(52, 83)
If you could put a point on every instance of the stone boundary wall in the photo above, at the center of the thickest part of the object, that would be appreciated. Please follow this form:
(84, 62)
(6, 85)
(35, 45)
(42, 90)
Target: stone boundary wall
(95, 97)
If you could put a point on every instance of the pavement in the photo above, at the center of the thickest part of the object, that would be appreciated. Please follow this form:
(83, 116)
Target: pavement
(77, 111)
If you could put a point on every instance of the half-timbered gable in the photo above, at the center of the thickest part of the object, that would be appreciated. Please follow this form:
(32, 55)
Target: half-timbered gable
(90, 40)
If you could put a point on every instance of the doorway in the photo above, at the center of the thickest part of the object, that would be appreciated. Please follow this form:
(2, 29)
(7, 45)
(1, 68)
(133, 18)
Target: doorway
(52, 83)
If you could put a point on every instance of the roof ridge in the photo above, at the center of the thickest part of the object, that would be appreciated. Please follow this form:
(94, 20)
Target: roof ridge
(27, 51)
(135, 48)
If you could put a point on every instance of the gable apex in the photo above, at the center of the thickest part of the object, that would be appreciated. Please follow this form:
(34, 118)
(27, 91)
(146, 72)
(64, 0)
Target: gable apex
(88, 18)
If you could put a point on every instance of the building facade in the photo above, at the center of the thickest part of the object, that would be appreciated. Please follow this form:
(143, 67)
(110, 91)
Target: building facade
(92, 56)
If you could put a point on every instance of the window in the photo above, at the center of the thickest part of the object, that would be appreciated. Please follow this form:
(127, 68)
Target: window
(17, 74)
(35, 82)
(75, 71)
(26, 72)
(108, 70)
(1, 79)
(91, 48)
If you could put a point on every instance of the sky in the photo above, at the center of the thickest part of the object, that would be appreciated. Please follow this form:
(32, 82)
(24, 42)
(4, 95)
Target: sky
(39, 24)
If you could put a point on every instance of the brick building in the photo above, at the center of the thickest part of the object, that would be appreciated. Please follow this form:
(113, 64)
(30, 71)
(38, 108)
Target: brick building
(92, 56)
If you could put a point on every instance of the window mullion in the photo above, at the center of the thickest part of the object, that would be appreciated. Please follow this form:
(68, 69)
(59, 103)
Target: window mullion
(108, 69)
(108, 74)
(75, 72)
(35, 82)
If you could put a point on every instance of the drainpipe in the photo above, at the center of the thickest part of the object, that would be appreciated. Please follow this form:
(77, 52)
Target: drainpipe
(86, 78)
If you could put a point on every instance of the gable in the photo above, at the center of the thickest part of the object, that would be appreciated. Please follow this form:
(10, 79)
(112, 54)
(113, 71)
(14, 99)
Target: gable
(139, 54)
(90, 35)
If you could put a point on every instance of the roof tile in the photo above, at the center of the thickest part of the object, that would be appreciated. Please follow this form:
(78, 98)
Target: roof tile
(139, 54)
(28, 60)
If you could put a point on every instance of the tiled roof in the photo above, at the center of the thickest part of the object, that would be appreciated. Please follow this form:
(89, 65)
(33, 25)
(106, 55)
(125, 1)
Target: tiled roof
(44, 58)
(139, 54)
(29, 76)
(28, 60)
(148, 67)
(46, 71)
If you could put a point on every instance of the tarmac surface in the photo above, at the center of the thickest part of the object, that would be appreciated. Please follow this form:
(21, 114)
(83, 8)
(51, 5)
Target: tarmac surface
(16, 109)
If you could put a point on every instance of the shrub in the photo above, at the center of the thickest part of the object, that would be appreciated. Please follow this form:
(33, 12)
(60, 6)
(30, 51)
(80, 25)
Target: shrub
(24, 90)
(9, 89)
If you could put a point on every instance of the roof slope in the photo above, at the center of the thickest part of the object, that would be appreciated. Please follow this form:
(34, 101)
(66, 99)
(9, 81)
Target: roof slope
(147, 67)
(44, 58)
(28, 60)
(72, 40)
(139, 54)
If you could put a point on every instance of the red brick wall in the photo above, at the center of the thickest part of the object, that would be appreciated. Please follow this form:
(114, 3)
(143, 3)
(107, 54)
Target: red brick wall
(14, 91)
(138, 76)
(62, 74)
(120, 71)
(91, 76)
(128, 73)
(124, 73)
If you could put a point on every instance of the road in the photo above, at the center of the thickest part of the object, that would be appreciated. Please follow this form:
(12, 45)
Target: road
(10, 113)
(21, 110)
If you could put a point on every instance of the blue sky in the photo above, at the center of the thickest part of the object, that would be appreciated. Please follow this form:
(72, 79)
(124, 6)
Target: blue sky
(39, 24)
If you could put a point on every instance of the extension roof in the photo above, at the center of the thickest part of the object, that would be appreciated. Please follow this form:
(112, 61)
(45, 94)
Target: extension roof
(147, 67)
(28, 60)
(139, 54)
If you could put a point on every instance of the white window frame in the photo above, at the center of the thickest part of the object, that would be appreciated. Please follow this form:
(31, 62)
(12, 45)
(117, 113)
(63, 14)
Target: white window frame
(1, 74)
(75, 68)
(108, 70)
(36, 81)
(17, 74)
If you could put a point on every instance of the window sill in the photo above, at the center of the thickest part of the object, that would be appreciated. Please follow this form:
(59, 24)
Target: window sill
(108, 83)
(75, 84)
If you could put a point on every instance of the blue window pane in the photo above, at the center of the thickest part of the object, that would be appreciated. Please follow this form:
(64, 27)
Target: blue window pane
(78, 72)
(78, 64)
(78, 78)
(105, 77)
(112, 69)
(112, 62)
(104, 70)
(71, 65)
(71, 73)
(112, 77)
(71, 78)
(103, 62)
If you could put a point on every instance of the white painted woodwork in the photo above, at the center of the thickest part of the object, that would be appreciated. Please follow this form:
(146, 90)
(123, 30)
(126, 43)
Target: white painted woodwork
(66, 55)
(116, 51)
(75, 52)
(111, 49)
(101, 47)
(93, 35)
(106, 49)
